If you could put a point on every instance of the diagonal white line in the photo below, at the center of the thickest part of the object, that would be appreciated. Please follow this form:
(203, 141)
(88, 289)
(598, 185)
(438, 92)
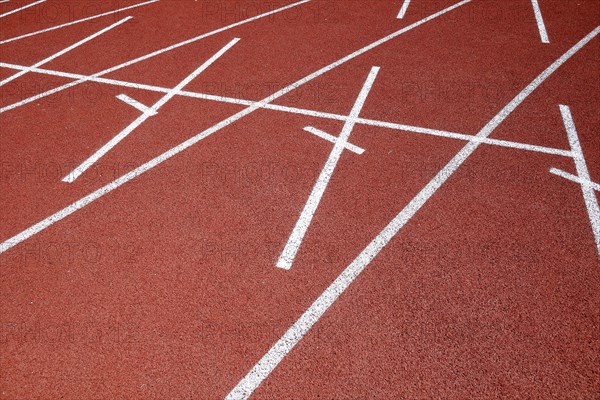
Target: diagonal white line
(136, 104)
(147, 56)
(263, 368)
(465, 137)
(333, 139)
(402, 11)
(65, 212)
(591, 202)
(22, 8)
(75, 22)
(152, 111)
(65, 50)
(286, 259)
(540, 21)
(575, 178)
(302, 111)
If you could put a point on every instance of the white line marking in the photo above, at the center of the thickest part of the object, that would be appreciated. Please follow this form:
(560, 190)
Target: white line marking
(147, 56)
(302, 111)
(152, 111)
(470, 138)
(22, 8)
(403, 9)
(574, 178)
(4, 1)
(540, 21)
(333, 139)
(75, 22)
(591, 202)
(66, 50)
(136, 104)
(296, 332)
(40, 226)
(286, 259)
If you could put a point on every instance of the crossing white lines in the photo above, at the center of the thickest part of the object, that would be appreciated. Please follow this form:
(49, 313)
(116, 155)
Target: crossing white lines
(282, 347)
(333, 139)
(136, 104)
(288, 341)
(142, 169)
(574, 178)
(301, 111)
(149, 55)
(65, 50)
(145, 115)
(589, 197)
(286, 259)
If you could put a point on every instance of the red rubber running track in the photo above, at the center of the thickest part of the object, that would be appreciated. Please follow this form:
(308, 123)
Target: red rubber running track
(457, 257)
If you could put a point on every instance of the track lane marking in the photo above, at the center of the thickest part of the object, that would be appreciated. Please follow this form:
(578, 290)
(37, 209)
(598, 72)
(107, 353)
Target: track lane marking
(79, 204)
(286, 259)
(468, 138)
(136, 104)
(591, 202)
(403, 9)
(574, 178)
(540, 21)
(147, 56)
(302, 111)
(74, 22)
(73, 175)
(333, 139)
(22, 8)
(65, 50)
(263, 368)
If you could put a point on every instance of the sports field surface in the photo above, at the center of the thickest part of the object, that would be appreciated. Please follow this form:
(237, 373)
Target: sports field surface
(317, 199)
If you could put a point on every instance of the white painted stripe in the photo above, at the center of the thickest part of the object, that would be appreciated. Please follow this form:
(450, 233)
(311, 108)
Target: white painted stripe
(136, 104)
(66, 50)
(333, 139)
(4, 1)
(471, 138)
(147, 56)
(296, 332)
(75, 22)
(591, 202)
(575, 178)
(203, 36)
(302, 111)
(540, 21)
(152, 111)
(40, 95)
(22, 8)
(40, 226)
(286, 259)
(403, 9)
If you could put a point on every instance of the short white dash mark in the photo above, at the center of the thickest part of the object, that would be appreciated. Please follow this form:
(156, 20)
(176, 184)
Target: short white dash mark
(403, 9)
(333, 139)
(136, 104)
(574, 178)
(540, 21)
